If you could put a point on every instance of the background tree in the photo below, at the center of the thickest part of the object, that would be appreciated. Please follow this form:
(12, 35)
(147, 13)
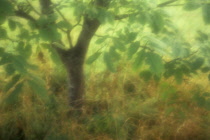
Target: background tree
(140, 29)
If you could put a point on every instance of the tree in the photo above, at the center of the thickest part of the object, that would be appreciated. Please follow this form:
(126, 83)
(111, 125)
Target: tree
(50, 27)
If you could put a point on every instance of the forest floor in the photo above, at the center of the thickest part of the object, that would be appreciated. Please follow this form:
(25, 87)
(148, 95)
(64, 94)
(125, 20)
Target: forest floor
(118, 106)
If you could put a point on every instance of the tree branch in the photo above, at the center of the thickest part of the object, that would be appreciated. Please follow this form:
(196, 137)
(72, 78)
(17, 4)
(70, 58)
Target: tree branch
(59, 12)
(68, 32)
(57, 46)
(89, 27)
(166, 3)
(24, 15)
(45, 7)
(33, 8)
(123, 16)
(88, 30)
(182, 58)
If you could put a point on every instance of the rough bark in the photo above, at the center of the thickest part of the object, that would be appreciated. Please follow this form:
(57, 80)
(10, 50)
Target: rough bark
(74, 59)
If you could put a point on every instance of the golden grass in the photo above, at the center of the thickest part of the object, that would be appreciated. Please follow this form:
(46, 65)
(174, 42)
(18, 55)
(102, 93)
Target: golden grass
(118, 106)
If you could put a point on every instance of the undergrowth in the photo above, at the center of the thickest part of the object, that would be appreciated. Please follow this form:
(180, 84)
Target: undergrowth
(118, 106)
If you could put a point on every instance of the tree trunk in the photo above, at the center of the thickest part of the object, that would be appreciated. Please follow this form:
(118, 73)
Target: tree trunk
(74, 59)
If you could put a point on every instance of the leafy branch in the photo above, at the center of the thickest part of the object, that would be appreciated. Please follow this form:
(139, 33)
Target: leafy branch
(123, 16)
(166, 3)
(24, 15)
(33, 8)
(182, 58)
(69, 34)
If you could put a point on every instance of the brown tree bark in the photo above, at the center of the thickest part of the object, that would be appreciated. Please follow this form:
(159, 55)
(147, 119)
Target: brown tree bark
(73, 60)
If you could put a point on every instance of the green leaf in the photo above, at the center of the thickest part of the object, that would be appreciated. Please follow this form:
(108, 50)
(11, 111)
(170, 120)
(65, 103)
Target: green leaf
(20, 64)
(24, 50)
(132, 36)
(109, 62)
(53, 53)
(157, 21)
(51, 18)
(157, 78)
(158, 45)
(155, 62)
(143, 18)
(93, 58)
(27, 51)
(202, 37)
(3, 33)
(38, 86)
(206, 13)
(114, 54)
(169, 92)
(100, 40)
(24, 34)
(64, 24)
(20, 47)
(49, 33)
(205, 69)
(32, 25)
(168, 73)
(191, 5)
(55, 57)
(185, 69)
(2, 51)
(119, 45)
(13, 96)
(179, 50)
(10, 69)
(45, 20)
(32, 67)
(146, 75)
(46, 46)
(5, 58)
(12, 25)
(5, 8)
(133, 48)
(197, 63)
(102, 15)
(141, 56)
(2, 19)
(200, 100)
(12, 82)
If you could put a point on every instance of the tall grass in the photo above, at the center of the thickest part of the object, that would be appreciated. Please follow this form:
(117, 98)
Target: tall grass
(118, 106)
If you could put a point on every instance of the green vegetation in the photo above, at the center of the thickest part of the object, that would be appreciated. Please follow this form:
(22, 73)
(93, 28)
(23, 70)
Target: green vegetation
(146, 75)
